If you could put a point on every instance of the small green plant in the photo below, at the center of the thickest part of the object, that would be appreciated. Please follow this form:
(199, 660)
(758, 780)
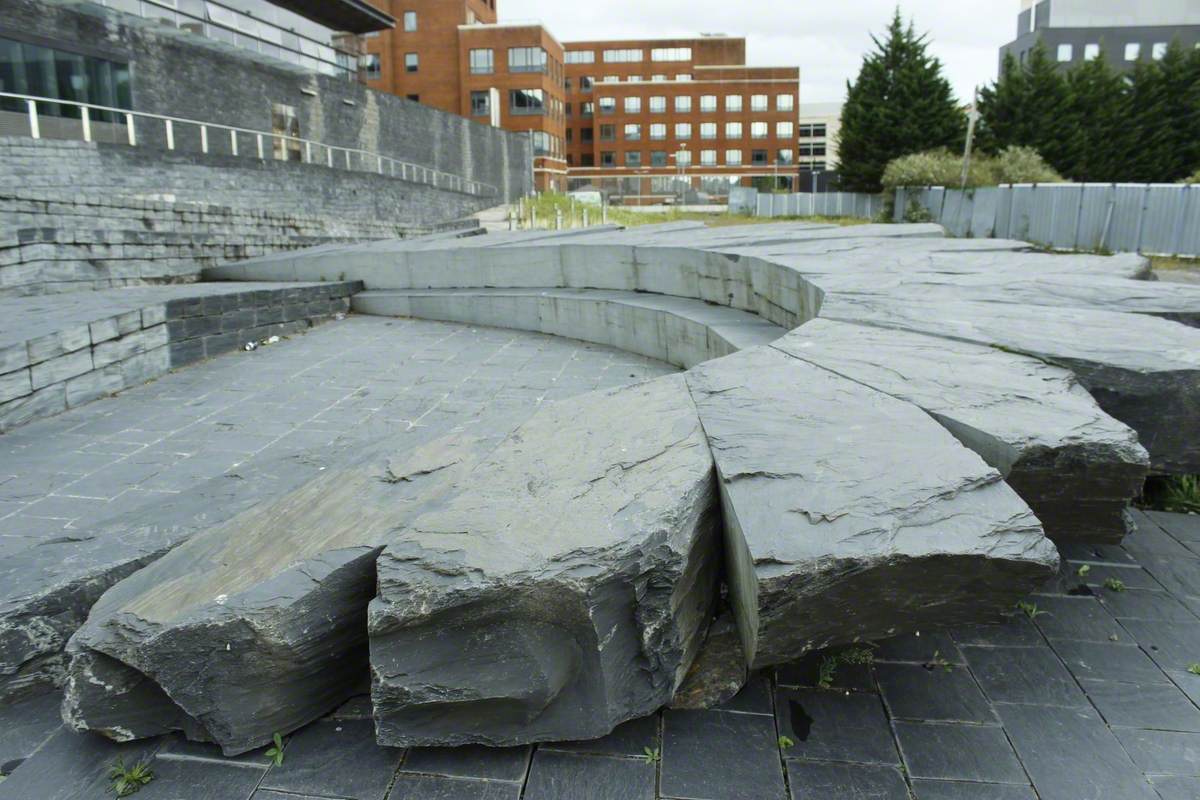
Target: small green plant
(857, 655)
(1114, 585)
(1030, 609)
(651, 755)
(939, 661)
(276, 752)
(1194, 668)
(1182, 494)
(1083, 570)
(828, 671)
(785, 742)
(128, 780)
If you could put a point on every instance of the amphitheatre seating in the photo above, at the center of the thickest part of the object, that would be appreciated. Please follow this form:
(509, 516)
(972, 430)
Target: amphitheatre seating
(874, 451)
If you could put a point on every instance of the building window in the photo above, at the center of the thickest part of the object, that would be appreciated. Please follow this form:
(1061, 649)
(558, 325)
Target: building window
(412, 62)
(623, 56)
(587, 109)
(733, 130)
(611, 79)
(658, 78)
(570, 109)
(608, 133)
(1158, 50)
(633, 158)
(284, 124)
(733, 158)
(658, 131)
(483, 62)
(526, 59)
(733, 102)
(758, 130)
(671, 54)
(633, 105)
(708, 103)
(566, 85)
(812, 131)
(658, 158)
(570, 135)
(633, 132)
(784, 130)
(758, 102)
(416, 98)
(683, 76)
(683, 158)
(608, 105)
(1133, 51)
(1091, 52)
(708, 158)
(585, 83)
(683, 104)
(608, 158)
(526, 101)
(785, 102)
(634, 79)
(758, 158)
(372, 66)
(410, 21)
(708, 130)
(543, 144)
(785, 156)
(481, 104)
(683, 130)
(658, 105)
(1065, 53)
(587, 160)
(586, 134)
(580, 56)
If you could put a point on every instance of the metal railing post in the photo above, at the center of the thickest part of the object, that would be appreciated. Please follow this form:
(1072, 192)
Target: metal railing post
(86, 118)
(35, 130)
(233, 142)
(329, 156)
(260, 146)
(204, 139)
(380, 165)
(170, 135)
(132, 130)
(308, 152)
(347, 159)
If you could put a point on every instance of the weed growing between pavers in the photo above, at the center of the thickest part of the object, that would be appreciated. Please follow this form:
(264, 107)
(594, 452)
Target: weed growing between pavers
(129, 780)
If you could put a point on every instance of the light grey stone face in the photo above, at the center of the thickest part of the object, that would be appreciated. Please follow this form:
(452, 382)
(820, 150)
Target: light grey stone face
(565, 590)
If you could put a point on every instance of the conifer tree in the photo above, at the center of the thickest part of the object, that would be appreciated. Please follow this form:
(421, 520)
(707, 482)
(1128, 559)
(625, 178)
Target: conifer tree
(1028, 107)
(1098, 142)
(899, 104)
(1164, 103)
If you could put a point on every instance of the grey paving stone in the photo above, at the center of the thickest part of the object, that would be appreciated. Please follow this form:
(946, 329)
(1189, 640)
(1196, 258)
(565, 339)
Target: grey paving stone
(814, 780)
(1097, 574)
(1156, 706)
(1149, 539)
(71, 767)
(953, 790)
(198, 780)
(1108, 661)
(720, 755)
(1172, 645)
(1162, 752)
(628, 739)
(913, 691)
(336, 759)
(1095, 553)
(175, 746)
(978, 753)
(1071, 754)
(1180, 576)
(1031, 675)
(1144, 604)
(754, 698)
(1082, 618)
(1015, 631)
(835, 726)
(426, 787)
(806, 672)
(24, 726)
(557, 776)
(1183, 527)
(920, 648)
(471, 761)
(1172, 787)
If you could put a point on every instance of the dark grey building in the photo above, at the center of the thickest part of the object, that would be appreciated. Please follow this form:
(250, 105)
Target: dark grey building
(1126, 31)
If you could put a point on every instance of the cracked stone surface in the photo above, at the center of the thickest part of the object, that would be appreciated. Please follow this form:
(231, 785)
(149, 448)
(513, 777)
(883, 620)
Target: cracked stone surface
(564, 592)
(829, 541)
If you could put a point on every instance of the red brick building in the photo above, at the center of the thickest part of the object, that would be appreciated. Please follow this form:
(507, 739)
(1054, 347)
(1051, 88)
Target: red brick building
(643, 120)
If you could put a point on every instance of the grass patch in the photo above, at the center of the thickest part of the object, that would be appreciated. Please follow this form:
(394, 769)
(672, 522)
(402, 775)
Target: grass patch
(1177, 493)
(1174, 263)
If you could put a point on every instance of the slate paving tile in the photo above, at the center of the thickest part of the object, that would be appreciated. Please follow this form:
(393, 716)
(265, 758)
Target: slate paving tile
(557, 776)
(954, 790)
(806, 672)
(421, 787)
(720, 755)
(754, 698)
(919, 648)
(1162, 752)
(1180, 576)
(1187, 682)
(1148, 539)
(469, 761)
(337, 759)
(977, 753)
(1144, 604)
(25, 726)
(1173, 787)
(1095, 553)
(913, 691)
(1014, 631)
(1157, 706)
(628, 739)
(1182, 527)
(1071, 754)
(834, 726)
(267, 794)
(71, 766)
(1172, 645)
(1082, 618)
(1108, 661)
(1024, 675)
(175, 746)
(814, 780)
(1135, 577)
(198, 780)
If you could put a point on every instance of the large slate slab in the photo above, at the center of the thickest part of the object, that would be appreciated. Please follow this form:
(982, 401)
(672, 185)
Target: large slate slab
(565, 591)
(257, 625)
(850, 514)
(1074, 465)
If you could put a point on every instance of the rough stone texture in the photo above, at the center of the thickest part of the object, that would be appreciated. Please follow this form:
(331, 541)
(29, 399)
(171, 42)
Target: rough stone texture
(272, 603)
(719, 671)
(852, 515)
(1074, 465)
(580, 595)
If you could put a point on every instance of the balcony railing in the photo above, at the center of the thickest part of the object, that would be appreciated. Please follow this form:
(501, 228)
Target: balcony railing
(237, 141)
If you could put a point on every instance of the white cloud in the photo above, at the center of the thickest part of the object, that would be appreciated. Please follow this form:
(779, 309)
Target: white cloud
(826, 40)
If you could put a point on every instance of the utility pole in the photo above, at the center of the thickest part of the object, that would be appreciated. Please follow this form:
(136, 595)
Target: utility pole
(972, 118)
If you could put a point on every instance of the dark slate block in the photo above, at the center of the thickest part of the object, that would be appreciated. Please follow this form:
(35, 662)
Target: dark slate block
(754, 698)
(811, 780)
(186, 352)
(1144, 604)
(720, 755)
(920, 648)
(1081, 618)
(1158, 706)
(1148, 539)
(1172, 645)
(913, 691)
(835, 726)
(1071, 754)
(1024, 675)
(1188, 683)
(471, 761)
(336, 758)
(1173, 787)
(806, 672)
(1183, 527)
(24, 726)
(357, 707)
(1095, 553)
(629, 739)
(198, 780)
(179, 747)
(1097, 574)
(1180, 576)
(951, 790)
(1162, 752)
(267, 794)
(1108, 661)
(1017, 631)
(556, 776)
(979, 753)
(71, 766)
(426, 787)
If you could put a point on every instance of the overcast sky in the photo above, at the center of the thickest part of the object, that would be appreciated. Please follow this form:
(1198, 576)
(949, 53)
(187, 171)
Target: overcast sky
(825, 39)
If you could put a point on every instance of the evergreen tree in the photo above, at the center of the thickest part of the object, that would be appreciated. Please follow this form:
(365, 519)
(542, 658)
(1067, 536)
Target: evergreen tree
(1098, 143)
(899, 104)
(1028, 107)
(1164, 103)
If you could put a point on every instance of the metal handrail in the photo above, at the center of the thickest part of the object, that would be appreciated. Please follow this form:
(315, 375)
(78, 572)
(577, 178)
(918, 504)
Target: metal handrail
(396, 168)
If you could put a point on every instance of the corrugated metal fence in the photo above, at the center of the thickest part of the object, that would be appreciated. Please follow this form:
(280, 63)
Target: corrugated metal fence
(1155, 219)
(805, 204)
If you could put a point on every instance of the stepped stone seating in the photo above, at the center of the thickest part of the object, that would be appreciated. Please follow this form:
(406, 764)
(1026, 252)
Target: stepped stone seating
(859, 461)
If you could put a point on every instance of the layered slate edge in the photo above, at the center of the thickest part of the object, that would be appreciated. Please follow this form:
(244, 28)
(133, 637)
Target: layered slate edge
(824, 544)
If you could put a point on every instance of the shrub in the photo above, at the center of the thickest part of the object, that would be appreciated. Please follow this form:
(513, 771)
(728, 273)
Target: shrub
(1194, 179)
(943, 168)
(931, 168)
(1022, 165)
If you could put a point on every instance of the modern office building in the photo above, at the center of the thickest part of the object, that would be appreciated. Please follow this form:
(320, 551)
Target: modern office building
(818, 149)
(644, 121)
(1126, 31)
